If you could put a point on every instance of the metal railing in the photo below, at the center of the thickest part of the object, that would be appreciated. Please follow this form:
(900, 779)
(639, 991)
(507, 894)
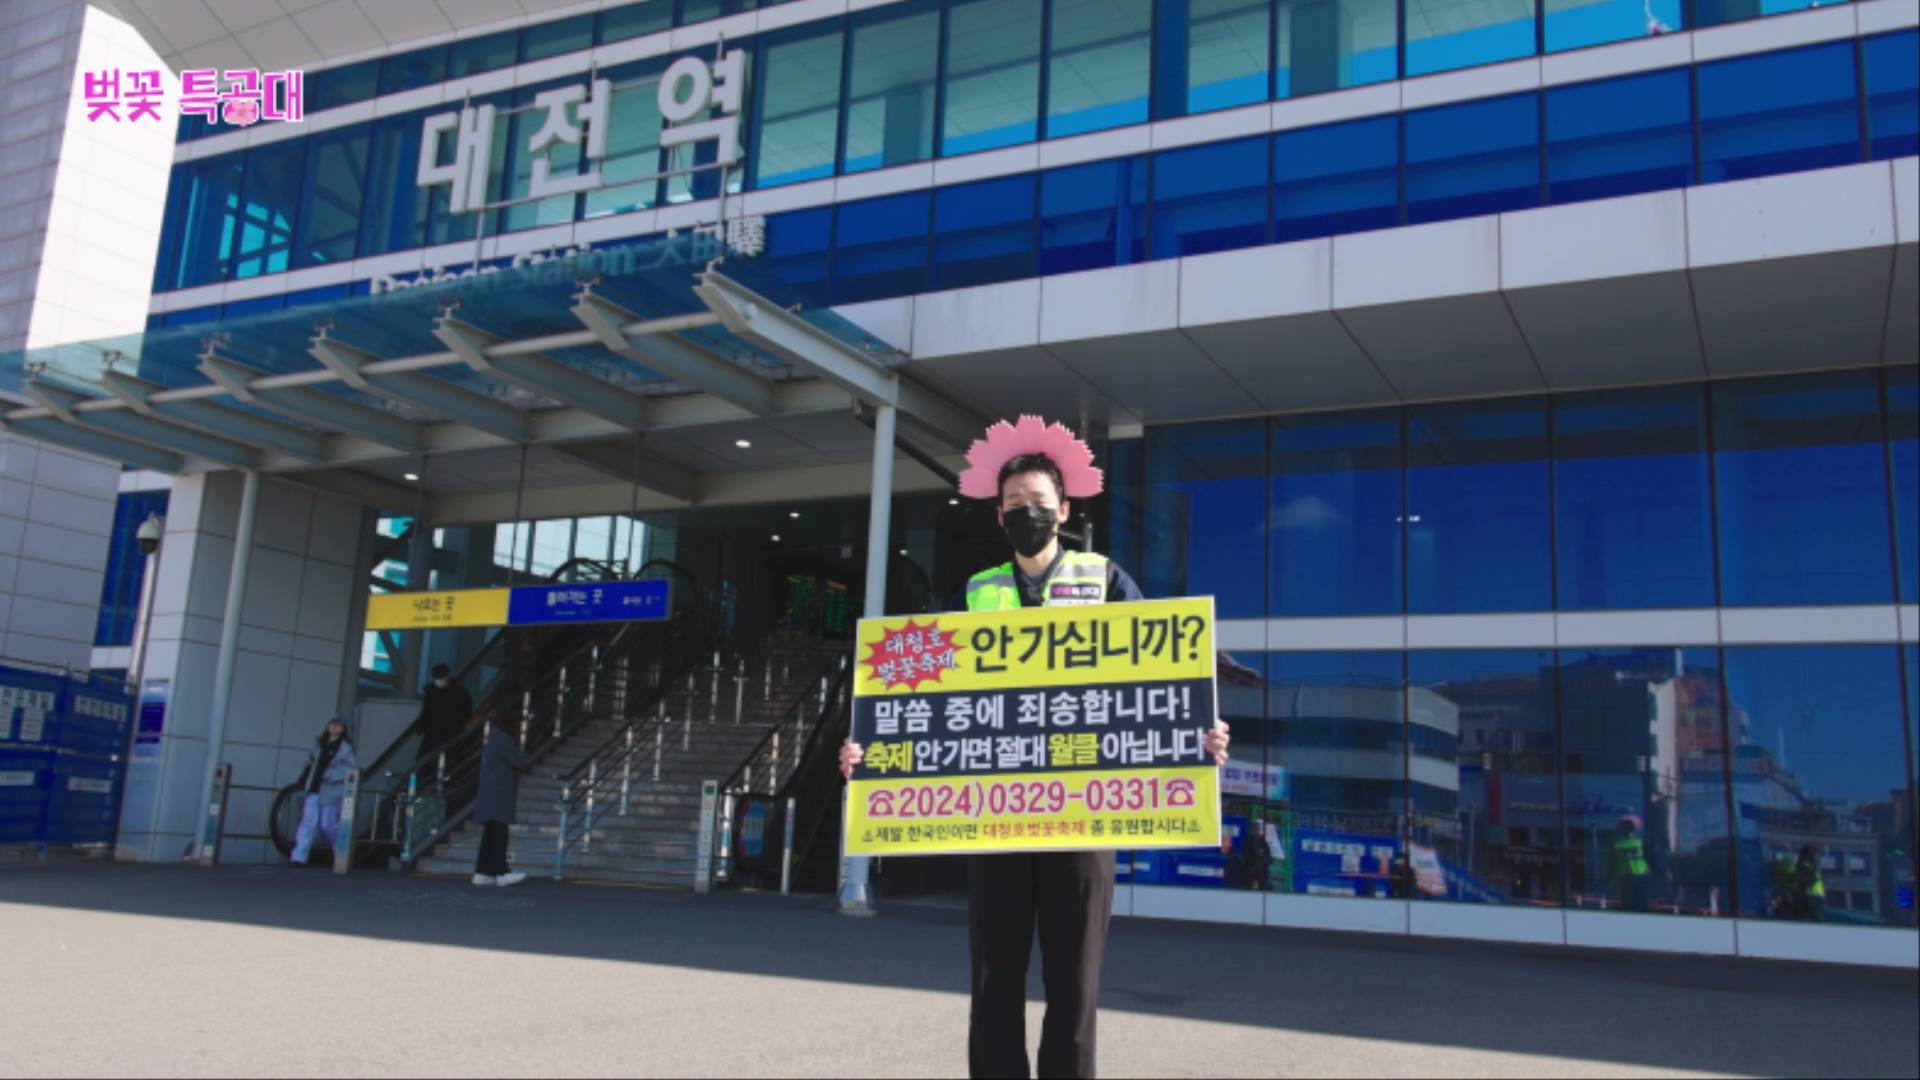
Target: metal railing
(718, 694)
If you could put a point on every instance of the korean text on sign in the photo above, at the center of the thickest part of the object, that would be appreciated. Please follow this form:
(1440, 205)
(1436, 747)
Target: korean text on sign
(1044, 728)
(250, 95)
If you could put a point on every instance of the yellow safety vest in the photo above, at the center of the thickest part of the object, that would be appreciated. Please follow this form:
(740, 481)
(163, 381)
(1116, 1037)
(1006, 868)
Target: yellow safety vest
(1080, 577)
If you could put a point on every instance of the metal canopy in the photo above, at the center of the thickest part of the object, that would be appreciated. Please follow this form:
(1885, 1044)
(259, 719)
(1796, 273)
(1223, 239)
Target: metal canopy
(589, 355)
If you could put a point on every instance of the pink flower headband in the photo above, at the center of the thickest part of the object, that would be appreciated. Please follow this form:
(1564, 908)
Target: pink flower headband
(1031, 435)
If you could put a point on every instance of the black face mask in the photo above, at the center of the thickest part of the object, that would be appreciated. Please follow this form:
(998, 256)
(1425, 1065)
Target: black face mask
(1030, 528)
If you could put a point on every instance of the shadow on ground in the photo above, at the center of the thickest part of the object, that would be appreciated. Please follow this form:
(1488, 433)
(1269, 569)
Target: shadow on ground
(1657, 1011)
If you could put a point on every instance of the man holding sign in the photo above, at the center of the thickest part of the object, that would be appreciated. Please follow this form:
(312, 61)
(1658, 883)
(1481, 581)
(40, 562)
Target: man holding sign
(1040, 732)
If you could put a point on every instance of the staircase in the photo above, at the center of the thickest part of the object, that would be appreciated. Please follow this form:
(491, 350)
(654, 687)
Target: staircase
(655, 842)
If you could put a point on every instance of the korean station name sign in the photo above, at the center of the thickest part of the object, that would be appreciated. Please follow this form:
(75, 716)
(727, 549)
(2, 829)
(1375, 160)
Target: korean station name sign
(573, 113)
(526, 605)
(1041, 729)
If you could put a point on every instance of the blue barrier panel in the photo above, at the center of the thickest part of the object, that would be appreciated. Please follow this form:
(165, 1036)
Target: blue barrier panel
(84, 800)
(29, 705)
(25, 775)
(94, 721)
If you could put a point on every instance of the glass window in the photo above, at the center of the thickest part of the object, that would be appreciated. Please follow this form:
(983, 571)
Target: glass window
(1633, 525)
(1903, 453)
(1477, 513)
(1093, 215)
(1716, 12)
(1802, 491)
(202, 316)
(542, 40)
(1326, 45)
(1620, 137)
(514, 134)
(268, 205)
(423, 67)
(1204, 520)
(1098, 65)
(693, 11)
(1338, 178)
(342, 85)
(698, 162)
(1124, 465)
(983, 232)
(204, 212)
(1212, 54)
(1778, 112)
(325, 294)
(1336, 771)
(633, 20)
(126, 568)
(1645, 781)
(1478, 157)
(1486, 821)
(1576, 24)
(1334, 529)
(1892, 68)
(329, 220)
(481, 54)
(1819, 774)
(880, 248)
(893, 64)
(798, 247)
(395, 209)
(1446, 34)
(259, 305)
(1210, 198)
(993, 75)
(797, 107)
(631, 169)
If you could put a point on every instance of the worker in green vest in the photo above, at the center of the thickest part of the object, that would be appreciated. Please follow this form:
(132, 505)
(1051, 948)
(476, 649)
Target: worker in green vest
(1627, 866)
(1031, 470)
(1809, 885)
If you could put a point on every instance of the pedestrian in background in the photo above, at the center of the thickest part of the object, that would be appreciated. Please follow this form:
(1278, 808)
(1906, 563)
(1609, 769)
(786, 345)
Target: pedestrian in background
(445, 708)
(501, 762)
(324, 779)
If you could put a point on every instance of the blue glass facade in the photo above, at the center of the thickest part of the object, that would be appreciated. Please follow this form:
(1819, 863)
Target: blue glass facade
(1761, 492)
(916, 85)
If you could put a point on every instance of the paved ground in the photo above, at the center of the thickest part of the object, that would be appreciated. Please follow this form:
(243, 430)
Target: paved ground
(115, 970)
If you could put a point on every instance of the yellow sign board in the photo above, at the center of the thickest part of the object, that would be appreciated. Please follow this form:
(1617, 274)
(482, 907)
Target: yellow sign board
(1048, 729)
(438, 610)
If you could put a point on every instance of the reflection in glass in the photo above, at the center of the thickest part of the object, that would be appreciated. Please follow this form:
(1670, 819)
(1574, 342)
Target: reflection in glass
(1334, 789)
(1716, 12)
(1337, 178)
(1645, 781)
(1333, 44)
(1205, 515)
(1097, 69)
(1497, 841)
(797, 107)
(880, 248)
(396, 209)
(1478, 519)
(268, 206)
(1474, 158)
(1334, 524)
(798, 246)
(1903, 453)
(564, 160)
(983, 232)
(1778, 112)
(410, 70)
(1891, 71)
(1801, 479)
(629, 173)
(329, 221)
(993, 75)
(1632, 512)
(1576, 24)
(1210, 198)
(1446, 34)
(541, 40)
(1093, 215)
(1223, 44)
(200, 208)
(893, 58)
(1619, 136)
(1820, 786)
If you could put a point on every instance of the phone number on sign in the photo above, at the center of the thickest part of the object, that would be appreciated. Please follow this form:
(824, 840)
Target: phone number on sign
(1002, 798)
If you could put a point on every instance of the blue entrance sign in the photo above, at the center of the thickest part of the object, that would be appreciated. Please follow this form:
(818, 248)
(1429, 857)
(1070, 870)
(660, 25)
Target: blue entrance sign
(613, 601)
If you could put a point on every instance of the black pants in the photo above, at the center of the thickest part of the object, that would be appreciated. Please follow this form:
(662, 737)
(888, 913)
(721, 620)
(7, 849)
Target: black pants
(1068, 898)
(493, 849)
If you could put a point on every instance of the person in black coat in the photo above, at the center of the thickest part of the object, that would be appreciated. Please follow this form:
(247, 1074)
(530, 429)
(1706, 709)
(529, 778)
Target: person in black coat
(445, 708)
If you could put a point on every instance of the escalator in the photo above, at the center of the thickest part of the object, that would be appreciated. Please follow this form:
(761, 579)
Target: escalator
(540, 683)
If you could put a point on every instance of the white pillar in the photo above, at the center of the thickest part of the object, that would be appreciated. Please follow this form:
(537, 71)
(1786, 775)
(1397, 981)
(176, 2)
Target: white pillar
(856, 898)
(229, 645)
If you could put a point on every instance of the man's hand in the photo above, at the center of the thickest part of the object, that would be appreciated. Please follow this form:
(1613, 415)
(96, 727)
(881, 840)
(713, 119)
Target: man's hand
(1217, 740)
(850, 755)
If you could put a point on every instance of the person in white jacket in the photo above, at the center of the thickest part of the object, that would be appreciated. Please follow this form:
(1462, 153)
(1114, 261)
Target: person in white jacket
(325, 782)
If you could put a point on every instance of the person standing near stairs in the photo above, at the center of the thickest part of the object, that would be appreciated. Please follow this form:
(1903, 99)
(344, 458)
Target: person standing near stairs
(1030, 470)
(501, 762)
